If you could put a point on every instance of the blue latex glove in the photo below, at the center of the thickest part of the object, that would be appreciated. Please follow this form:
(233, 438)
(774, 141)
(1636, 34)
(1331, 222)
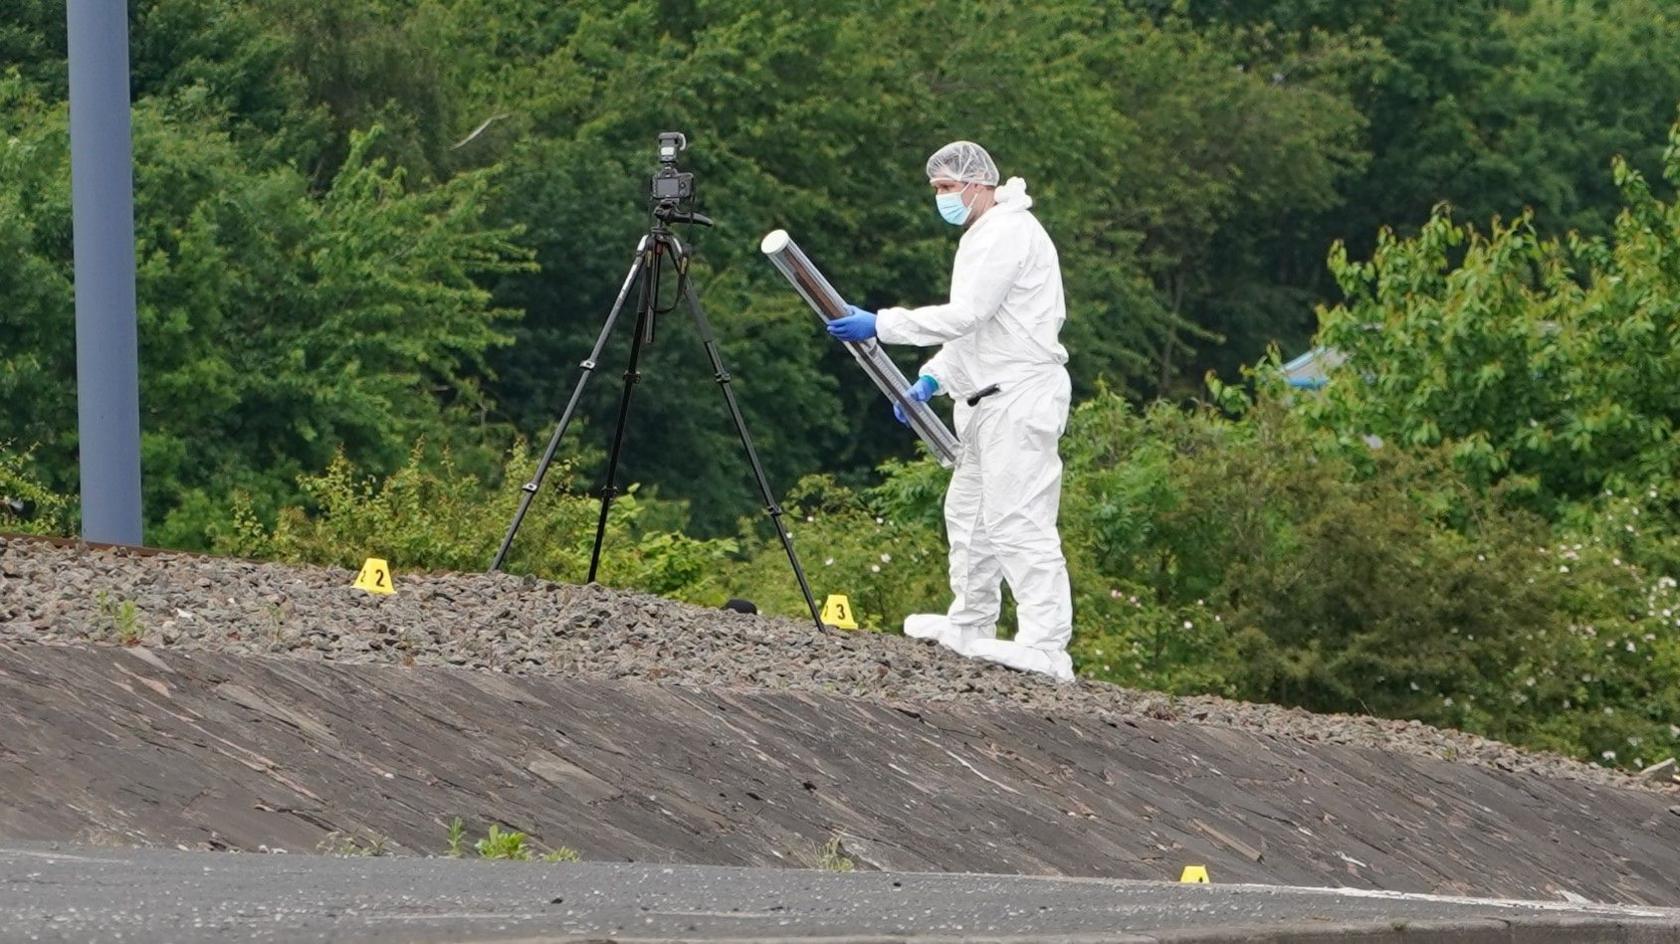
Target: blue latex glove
(921, 391)
(858, 325)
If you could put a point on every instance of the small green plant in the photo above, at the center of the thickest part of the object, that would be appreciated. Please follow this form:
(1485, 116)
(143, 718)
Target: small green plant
(503, 845)
(120, 618)
(562, 854)
(457, 837)
(348, 844)
(127, 624)
(832, 858)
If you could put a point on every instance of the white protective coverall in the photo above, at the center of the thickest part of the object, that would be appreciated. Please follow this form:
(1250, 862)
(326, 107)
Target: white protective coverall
(1000, 327)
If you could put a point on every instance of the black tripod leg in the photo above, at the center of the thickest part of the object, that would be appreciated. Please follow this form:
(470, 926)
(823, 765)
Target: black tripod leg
(588, 367)
(632, 376)
(771, 506)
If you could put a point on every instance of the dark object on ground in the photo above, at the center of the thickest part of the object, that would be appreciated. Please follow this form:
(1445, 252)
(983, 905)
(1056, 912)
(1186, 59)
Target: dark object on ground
(742, 606)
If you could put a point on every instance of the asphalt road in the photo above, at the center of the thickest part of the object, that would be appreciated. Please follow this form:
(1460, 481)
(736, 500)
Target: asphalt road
(63, 893)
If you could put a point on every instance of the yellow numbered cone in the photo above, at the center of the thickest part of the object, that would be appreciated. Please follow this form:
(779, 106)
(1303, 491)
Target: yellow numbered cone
(837, 612)
(1195, 875)
(375, 577)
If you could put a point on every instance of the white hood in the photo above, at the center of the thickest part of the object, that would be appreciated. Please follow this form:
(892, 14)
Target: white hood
(1013, 195)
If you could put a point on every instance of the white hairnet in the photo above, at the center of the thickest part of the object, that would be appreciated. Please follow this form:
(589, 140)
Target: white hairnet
(964, 162)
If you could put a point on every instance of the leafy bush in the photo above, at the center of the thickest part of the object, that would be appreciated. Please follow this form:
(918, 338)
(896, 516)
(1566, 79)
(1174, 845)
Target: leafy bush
(429, 515)
(1548, 364)
(40, 510)
(875, 546)
(1257, 557)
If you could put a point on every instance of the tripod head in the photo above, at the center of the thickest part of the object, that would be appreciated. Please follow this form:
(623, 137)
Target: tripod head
(671, 191)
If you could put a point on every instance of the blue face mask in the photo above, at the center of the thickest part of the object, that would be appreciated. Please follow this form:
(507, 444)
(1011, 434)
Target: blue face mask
(952, 207)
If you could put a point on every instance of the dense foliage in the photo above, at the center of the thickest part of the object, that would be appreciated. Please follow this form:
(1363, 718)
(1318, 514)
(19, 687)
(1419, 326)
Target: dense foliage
(376, 237)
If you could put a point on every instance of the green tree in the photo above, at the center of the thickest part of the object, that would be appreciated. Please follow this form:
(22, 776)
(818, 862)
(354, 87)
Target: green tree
(1142, 142)
(275, 327)
(1544, 362)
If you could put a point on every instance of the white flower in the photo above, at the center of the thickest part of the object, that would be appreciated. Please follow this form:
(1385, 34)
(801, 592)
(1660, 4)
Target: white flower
(1608, 755)
(1189, 625)
(1415, 687)
(1563, 568)
(1630, 646)
(880, 521)
(1447, 701)
(829, 562)
(886, 558)
(874, 568)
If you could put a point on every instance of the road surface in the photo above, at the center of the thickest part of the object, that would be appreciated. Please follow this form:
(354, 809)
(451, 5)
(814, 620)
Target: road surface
(67, 893)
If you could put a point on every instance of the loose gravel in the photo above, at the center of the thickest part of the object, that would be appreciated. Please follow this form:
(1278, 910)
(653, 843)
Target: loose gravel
(505, 623)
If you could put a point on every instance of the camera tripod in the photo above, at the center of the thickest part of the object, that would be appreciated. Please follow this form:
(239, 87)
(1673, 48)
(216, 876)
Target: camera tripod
(657, 247)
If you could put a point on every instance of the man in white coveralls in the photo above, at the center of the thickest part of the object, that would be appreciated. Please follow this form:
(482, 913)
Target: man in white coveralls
(1003, 366)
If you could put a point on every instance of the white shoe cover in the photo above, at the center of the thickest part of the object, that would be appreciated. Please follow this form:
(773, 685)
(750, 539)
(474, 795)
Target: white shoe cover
(926, 625)
(938, 627)
(1052, 662)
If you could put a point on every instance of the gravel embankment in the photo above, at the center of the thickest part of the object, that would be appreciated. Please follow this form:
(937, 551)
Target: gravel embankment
(506, 623)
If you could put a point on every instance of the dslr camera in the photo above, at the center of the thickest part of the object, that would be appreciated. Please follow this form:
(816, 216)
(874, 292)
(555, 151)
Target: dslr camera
(670, 185)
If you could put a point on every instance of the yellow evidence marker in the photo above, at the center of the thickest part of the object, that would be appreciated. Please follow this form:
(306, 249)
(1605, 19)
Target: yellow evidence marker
(837, 612)
(1195, 875)
(375, 577)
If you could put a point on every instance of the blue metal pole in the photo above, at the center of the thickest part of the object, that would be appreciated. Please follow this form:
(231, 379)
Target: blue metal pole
(107, 329)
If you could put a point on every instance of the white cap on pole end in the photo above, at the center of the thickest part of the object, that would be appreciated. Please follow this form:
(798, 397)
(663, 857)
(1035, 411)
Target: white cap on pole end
(774, 242)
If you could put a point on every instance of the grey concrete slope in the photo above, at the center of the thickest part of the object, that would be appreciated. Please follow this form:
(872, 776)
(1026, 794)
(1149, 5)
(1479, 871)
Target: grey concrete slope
(113, 745)
(68, 894)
